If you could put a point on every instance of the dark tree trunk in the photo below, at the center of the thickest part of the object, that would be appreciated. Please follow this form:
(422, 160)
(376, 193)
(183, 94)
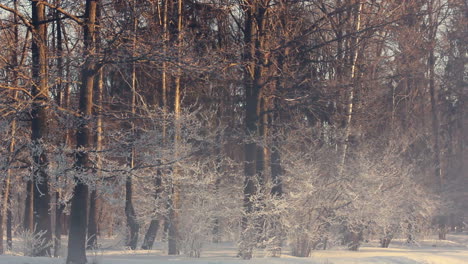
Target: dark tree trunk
(99, 90)
(442, 227)
(78, 214)
(172, 233)
(302, 246)
(254, 13)
(433, 97)
(1, 225)
(9, 225)
(150, 236)
(354, 240)
(65, 224)
(62, 101)
(132, 223)
(276, 171)
(92, 221)
(216, 234)
(410, 236)
(28, 224)
(216, 230)
(78, 219)
(277, 234)
(58, 226)
(275, 160)
(173, 240)
(385, 242)
(40, 116)
(5, 212)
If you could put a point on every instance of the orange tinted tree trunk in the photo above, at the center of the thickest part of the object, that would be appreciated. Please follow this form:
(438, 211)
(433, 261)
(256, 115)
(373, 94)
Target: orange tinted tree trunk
(78, 214)
(39, 129)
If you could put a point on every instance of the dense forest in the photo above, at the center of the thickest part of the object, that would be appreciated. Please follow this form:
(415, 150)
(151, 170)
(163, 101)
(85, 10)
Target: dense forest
(270, 123)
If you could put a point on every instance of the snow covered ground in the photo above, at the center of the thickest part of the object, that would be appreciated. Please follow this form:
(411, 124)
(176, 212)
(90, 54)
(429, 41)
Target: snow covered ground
(452, 251)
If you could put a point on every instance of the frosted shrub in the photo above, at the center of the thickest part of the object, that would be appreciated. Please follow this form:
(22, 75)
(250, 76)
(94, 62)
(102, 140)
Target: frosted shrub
(308, 217)
(194, 229)
(31, 242)
(197, 216)
(262, 226)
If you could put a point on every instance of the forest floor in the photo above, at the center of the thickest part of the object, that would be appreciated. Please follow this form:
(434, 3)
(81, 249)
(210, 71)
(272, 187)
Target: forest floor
(454, 250)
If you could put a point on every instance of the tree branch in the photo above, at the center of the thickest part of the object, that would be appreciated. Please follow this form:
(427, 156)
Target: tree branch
(65, 13)
(25, 20)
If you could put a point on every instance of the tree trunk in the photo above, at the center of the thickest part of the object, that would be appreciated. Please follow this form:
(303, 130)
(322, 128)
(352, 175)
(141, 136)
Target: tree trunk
(276, 179)
(217, 150)
(28, 224)
(59, 206)
(254, 13)
(173, 240)
(434, 115)
(9, 225)
(92, 221)
(58, 226)
(276, 169)
(354, 240)
(5, 212)
(433, 96)
(132, 222)
(93, 200)
(152, 231)
(385, 242)
(150, 236)
(301, 247)
(350, 99)
(40, 116)
(78, 214)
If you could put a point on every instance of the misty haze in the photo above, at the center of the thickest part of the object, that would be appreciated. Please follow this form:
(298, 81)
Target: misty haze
(233, 131)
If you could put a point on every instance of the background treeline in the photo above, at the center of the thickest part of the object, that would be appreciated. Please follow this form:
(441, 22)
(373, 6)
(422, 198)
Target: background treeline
(265, 122)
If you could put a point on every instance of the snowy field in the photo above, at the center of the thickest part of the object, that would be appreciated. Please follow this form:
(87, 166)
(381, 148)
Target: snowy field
(452, 251)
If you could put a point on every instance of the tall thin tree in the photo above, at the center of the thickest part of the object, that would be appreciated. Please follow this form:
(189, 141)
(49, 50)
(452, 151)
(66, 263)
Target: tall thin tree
(39, 127)
(78, 214)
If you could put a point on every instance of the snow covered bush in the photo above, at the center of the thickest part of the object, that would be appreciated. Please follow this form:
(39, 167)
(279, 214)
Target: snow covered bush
(374, 196)
(32, 242)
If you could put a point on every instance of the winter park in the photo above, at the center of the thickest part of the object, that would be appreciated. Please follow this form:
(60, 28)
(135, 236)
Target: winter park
(233, 131)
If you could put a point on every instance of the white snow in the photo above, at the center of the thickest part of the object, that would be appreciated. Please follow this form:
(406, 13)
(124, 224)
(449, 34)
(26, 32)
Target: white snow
(452, 251)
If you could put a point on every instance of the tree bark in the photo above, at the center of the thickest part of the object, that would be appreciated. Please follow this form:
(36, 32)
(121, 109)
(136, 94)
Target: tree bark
(78, 214)
(5, 212)
(39, 129)
(385, 242)
(350, 99)
(28, 224)
(92, 221)
(173, 240)
(93, 200)
(132, 222)
(433, 98)
(253, 25)
(9, 225)
(59, 207)
(150, 236)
